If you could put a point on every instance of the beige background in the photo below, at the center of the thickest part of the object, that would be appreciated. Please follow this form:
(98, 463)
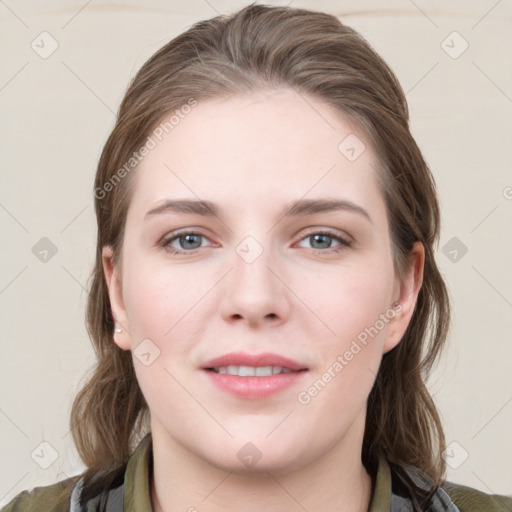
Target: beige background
(57, 112)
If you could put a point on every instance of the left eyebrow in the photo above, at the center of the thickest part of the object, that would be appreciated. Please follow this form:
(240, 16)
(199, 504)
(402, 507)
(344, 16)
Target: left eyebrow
(304, 207)
(299, 208)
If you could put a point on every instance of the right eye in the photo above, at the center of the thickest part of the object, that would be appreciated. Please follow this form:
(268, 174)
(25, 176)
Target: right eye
(187, 242)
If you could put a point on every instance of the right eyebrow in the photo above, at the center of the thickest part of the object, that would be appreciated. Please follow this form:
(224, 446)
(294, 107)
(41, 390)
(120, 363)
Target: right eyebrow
(190, 206)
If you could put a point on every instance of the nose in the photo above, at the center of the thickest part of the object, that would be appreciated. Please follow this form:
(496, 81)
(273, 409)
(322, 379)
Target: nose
(254, 292)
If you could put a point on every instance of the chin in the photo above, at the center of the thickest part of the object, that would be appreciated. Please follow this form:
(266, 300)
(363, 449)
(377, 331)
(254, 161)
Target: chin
(243, 457)
(263, 466)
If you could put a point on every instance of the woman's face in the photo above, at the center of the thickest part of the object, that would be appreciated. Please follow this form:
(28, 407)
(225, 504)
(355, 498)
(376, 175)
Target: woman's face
(272, 272)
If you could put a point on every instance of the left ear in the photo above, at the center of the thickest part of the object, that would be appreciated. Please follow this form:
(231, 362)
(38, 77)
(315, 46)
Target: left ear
(408, 291)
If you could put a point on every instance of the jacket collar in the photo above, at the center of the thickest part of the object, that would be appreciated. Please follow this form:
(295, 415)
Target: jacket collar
(137, 493)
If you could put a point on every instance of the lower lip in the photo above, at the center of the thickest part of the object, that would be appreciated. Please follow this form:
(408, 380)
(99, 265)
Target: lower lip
(255, 388)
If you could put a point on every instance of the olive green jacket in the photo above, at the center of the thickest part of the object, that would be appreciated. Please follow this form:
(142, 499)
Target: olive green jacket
(391, 492)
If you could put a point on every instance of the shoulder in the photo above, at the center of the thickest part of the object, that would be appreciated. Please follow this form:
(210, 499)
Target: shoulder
(468, 499)
(103, 490)
(50, 498)
(409, 485)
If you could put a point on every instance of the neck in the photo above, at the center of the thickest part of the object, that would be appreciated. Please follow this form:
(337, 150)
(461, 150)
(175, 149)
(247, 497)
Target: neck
(335, 482)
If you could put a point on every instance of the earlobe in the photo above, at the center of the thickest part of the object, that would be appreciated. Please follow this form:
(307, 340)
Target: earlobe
(409, 290)
(114, 285)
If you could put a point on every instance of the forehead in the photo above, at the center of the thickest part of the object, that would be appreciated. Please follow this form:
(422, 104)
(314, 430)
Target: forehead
(274, 146)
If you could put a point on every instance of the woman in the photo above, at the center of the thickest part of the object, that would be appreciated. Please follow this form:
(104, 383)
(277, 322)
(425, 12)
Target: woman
(265, 304)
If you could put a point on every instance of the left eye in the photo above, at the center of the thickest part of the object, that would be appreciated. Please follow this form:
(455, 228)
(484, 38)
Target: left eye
(325, 240)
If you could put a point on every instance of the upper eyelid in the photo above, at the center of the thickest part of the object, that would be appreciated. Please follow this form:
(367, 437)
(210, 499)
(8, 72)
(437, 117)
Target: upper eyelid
(328, 231)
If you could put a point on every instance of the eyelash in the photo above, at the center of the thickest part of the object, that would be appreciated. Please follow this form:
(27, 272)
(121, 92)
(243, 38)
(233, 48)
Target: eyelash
(166, 242)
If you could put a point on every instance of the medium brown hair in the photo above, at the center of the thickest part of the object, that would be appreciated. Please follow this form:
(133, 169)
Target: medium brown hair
(313, 53)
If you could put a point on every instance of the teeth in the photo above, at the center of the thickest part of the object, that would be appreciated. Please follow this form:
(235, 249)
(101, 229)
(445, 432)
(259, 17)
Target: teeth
(245, 371)
(251, 371)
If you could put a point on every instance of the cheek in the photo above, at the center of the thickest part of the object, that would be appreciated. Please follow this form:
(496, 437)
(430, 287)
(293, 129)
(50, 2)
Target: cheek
(160, 304)
(351, 300)
(355, 309)
(148, 305)
(350, 359)
(157, 296)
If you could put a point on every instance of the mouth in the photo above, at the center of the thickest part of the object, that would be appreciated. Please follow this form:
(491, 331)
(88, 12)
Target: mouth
(253, 376)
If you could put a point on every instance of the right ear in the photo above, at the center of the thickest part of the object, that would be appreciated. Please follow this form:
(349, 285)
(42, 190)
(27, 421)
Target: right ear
(115, 292)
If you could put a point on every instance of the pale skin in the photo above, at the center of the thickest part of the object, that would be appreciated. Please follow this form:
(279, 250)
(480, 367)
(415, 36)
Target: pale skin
(253, 155)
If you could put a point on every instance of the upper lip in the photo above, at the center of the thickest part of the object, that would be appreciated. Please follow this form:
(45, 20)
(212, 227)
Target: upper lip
(265, 359)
